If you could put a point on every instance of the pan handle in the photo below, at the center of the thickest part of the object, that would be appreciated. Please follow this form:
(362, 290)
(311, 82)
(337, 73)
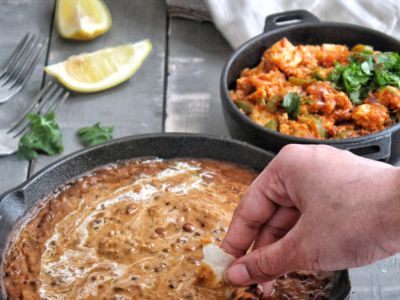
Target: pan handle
(288, 18)
(14, 202)
(377, 149)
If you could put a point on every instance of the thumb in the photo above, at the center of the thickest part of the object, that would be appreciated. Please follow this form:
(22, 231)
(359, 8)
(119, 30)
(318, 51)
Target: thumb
(263, 264)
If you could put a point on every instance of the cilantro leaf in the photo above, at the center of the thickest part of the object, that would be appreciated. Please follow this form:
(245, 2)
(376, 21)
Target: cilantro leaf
(365, 73)
(389, 60)
(95, 134)
(335, 76)
(291, 102)
(44, 136)
(354, 80)
(384, 77)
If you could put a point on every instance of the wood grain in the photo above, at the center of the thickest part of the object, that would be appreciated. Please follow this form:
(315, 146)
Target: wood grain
(17, 18)
(135, 106)
(197, 53)
(380, 280)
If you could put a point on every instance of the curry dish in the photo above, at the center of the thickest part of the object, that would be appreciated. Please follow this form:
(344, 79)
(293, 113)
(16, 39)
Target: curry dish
(321, 91)
(135, 230)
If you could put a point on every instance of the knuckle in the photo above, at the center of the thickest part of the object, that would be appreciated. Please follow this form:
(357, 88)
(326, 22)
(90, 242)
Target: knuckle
(294, 156)
(276, 231)
(251, 223)
(290, 149)
(294, 152)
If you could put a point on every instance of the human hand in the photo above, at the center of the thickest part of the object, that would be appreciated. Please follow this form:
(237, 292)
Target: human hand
(314, 208)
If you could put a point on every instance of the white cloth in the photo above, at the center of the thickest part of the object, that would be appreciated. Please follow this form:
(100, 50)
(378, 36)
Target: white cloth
(240, 20)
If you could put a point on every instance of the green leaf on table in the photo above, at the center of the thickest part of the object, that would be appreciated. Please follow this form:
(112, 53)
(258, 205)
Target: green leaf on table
(95, 134)
(44, 136)
(291, 102)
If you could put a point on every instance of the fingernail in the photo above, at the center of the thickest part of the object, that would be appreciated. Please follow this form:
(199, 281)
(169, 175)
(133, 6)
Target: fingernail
(238, 275)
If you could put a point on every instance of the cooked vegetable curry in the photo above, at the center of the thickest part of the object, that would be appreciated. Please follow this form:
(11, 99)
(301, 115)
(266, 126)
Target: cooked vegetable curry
(135, 230)
(321, 91)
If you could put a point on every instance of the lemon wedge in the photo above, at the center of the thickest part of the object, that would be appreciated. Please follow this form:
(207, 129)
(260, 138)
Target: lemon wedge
(82, 19)
(100, 70)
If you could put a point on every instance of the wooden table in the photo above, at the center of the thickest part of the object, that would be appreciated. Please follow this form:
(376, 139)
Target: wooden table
(177, 89)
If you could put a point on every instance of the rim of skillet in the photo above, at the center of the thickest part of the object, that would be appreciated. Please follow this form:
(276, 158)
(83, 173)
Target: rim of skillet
(321, 24)
(74, 155)
(338, 275)
(64, 159)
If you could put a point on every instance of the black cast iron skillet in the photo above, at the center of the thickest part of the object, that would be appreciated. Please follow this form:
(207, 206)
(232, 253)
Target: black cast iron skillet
(16, 203)
(302, 27)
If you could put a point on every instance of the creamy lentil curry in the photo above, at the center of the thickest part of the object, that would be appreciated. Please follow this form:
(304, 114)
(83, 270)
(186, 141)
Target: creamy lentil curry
(321, 91)
(135, 230)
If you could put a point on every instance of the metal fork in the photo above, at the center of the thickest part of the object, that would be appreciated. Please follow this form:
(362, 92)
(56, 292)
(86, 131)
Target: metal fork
(20, 66)
(47, 100)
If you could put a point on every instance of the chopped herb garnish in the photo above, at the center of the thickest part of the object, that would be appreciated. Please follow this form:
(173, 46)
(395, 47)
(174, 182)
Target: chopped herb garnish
(354, 79)
(365, 73)
(44, 136)
(390, 60)
(317, 76)
(291, 102)
(95, 134)
(384, 77)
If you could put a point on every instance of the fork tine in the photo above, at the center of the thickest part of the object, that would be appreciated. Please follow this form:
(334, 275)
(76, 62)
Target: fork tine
(20, 62)
(35, 109)
(23, 49)
(55, 101)
(56, 94)
(28, 68)
(18, 83)
(14, 54)
(35, 100)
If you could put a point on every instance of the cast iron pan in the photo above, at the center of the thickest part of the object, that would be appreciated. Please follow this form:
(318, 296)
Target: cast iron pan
(302, 27)
(20, 200)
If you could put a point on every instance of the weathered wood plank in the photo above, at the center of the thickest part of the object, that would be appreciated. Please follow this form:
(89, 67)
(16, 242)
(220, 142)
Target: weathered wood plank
(17, 17)
(133, 107)
(377, 281)
(197, 53)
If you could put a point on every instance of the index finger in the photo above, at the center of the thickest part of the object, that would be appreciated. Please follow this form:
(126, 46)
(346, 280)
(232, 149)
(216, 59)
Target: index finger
(256, 208)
